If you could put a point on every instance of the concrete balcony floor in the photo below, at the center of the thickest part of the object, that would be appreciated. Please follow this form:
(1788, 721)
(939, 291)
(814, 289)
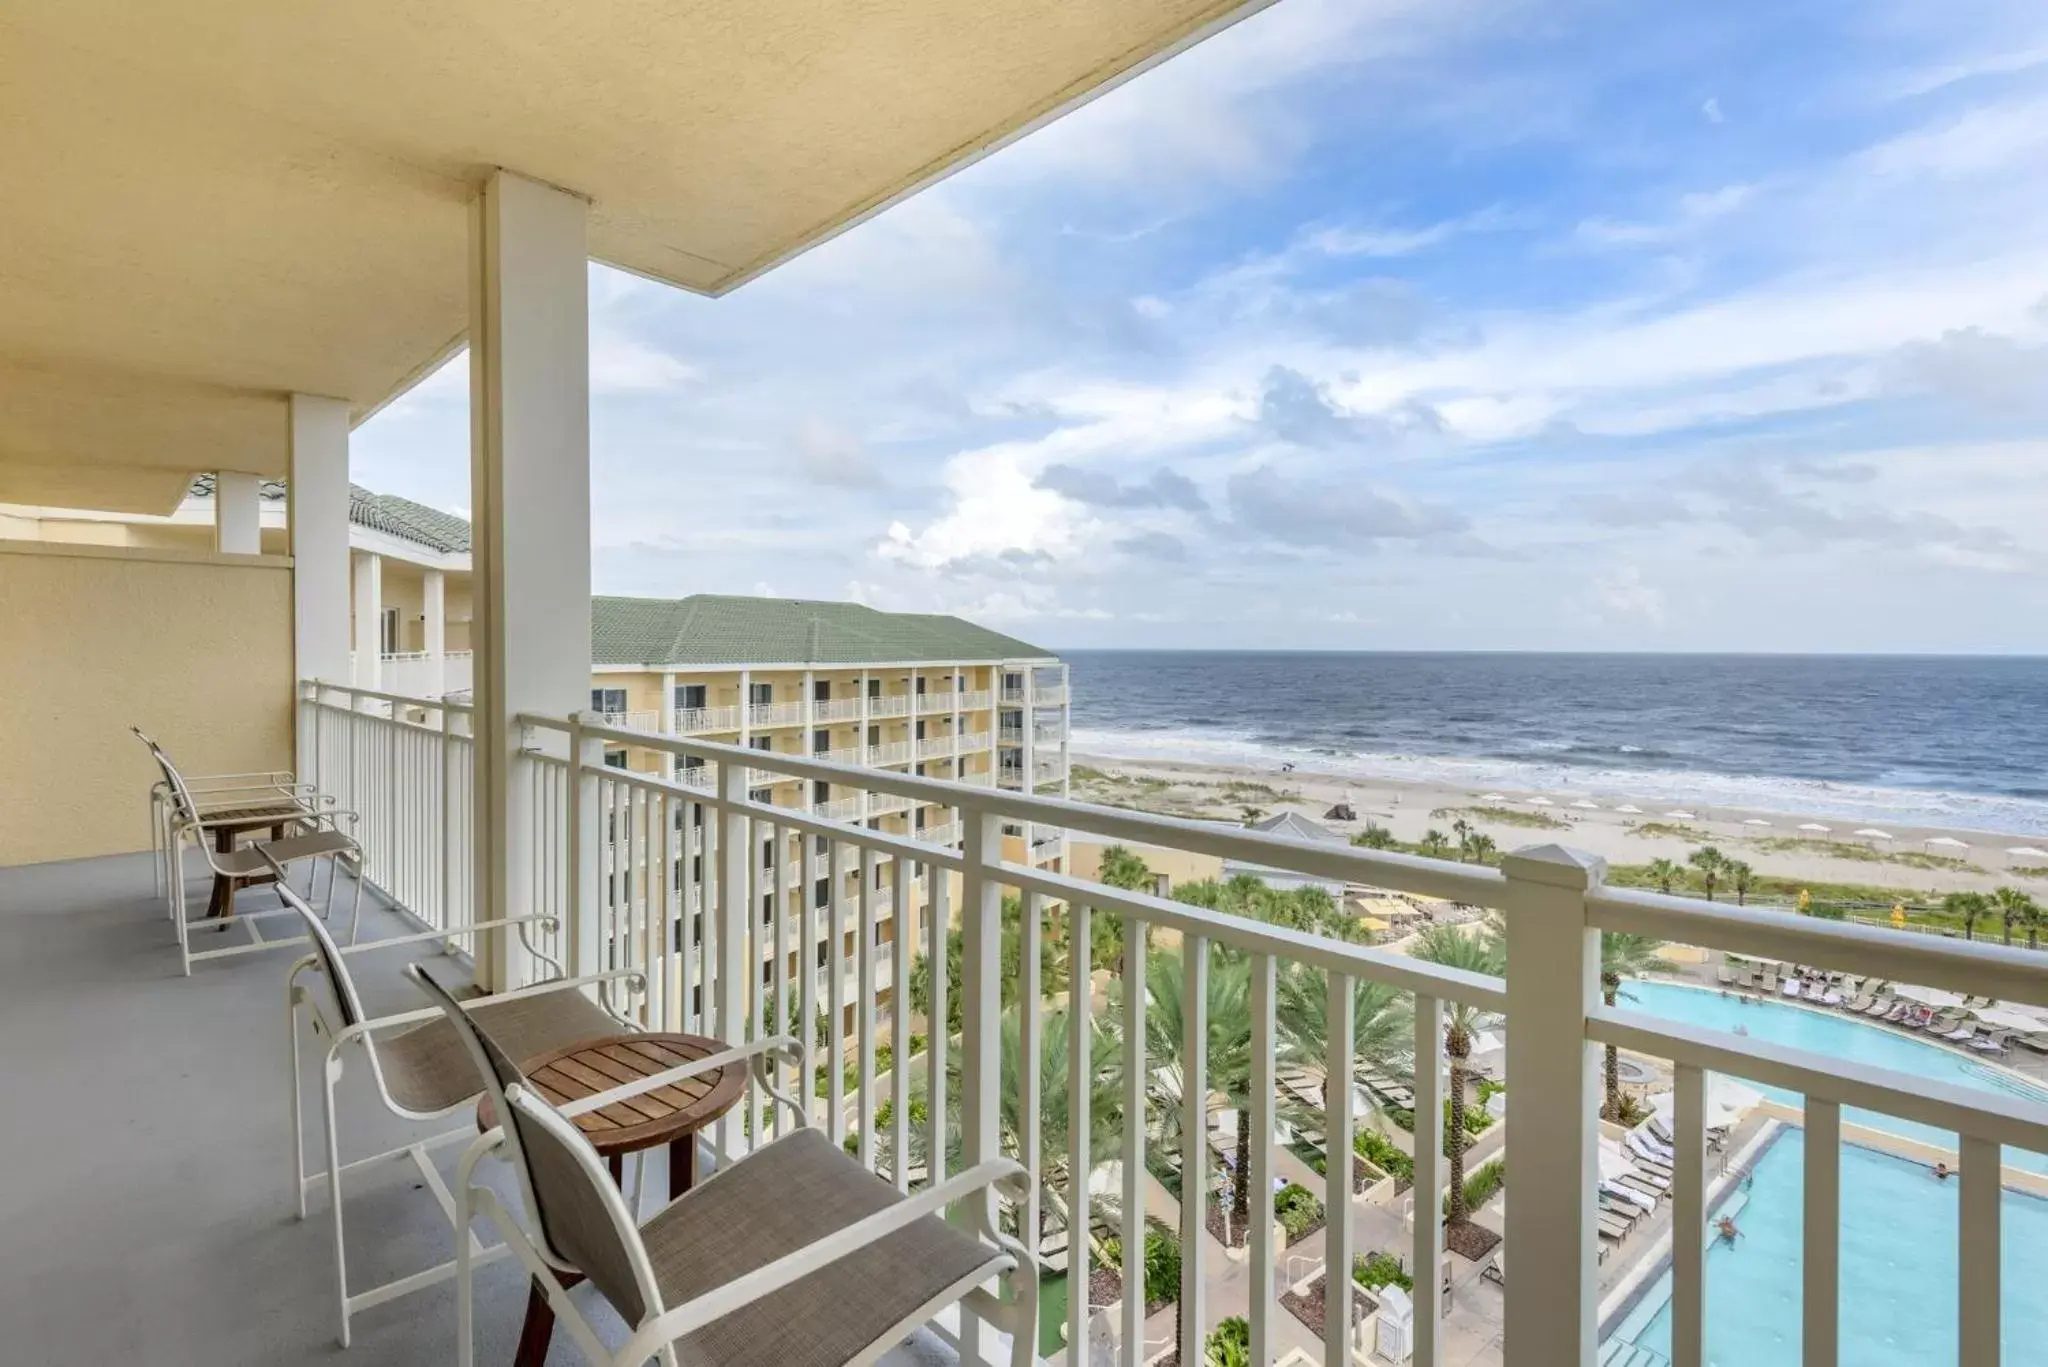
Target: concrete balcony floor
(146, 1212)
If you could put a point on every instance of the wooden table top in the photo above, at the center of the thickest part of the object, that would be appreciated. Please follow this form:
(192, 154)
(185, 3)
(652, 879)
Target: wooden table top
(658, 1117)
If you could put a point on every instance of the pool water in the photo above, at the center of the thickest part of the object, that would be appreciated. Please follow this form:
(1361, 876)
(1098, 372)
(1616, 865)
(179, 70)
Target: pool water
(1898, 1284)
(1841, 1037)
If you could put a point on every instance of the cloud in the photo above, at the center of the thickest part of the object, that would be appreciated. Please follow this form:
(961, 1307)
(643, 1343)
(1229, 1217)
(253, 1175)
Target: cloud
(1712, 110)
(621, 365)
(1155, 546)
(1622, 595)
(1164, 489)
(1298, 410)
(1982, 370)
(827, 455)
(1327, 515)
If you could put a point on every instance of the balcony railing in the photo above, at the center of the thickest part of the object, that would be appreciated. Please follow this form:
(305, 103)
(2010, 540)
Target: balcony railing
(628, 721)
(1048, 697)
(895, 752)
(403, 763)
(775, 714)
(947, 833)
(937, 747)
(697, 721)
(890, 705)
(836, 709)
(411, 673)
(928, 703)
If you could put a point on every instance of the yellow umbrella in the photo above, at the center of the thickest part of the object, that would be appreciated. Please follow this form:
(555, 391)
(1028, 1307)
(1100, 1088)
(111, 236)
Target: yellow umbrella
(1805, 900)
(1372, 923)
(1899, 915)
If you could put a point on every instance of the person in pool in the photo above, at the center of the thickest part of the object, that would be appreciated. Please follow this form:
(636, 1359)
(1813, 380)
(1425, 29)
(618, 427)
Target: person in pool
(1726, 1228)
(1941, 1172)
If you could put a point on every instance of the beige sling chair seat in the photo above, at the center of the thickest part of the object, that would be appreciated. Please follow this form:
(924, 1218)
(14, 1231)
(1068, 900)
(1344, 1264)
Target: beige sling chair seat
(421, 1069)
(792, 1256)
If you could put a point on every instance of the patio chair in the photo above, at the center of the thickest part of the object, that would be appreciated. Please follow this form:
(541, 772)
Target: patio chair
(240, 801)
(421, 1069)
(793, 1254)
(316, 835)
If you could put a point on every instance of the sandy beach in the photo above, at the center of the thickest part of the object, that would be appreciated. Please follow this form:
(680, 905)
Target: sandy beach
(1771, 842)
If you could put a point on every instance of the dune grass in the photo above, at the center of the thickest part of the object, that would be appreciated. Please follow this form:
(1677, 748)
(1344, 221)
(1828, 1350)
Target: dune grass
(1506, 816)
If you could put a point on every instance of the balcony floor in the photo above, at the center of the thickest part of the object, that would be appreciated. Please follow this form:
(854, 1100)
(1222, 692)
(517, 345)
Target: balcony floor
(146, 1215)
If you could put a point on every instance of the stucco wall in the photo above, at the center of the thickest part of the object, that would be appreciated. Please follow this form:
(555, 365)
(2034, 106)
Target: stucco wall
(194, 648)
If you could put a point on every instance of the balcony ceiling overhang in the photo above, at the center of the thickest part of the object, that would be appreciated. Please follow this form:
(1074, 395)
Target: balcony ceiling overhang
(209, 206)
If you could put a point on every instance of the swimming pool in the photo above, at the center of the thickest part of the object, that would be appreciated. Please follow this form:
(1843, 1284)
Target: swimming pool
(1898, 1284)
(1841, 1037)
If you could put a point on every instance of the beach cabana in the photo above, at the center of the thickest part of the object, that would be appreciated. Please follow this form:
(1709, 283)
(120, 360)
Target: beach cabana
(1630, 808)
(1873, 833)
(1754, 821)
(2026, 852)
(1541, 802)
(1728, 1100)
(1586, 806)
(1493, 797)
(1814, 828)
(1680, 815)
(1946, 842)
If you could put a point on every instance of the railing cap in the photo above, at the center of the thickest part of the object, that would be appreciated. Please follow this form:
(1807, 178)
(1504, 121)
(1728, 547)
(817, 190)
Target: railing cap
(1555, 866)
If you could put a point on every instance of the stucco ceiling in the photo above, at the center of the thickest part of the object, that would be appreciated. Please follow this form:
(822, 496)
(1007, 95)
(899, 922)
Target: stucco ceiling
(212, 204)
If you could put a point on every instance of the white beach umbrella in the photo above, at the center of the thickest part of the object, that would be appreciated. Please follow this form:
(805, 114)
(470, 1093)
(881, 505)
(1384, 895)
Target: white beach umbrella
(2027, 852)
(1493, 797)
(1873, 833)
(1586, 806)
(1727, 1101)
(1948, 842)
(1814, 826)
(1754, 821)
(1630, 808)
(1541, 802)
(1927, 996)
(1681, 816)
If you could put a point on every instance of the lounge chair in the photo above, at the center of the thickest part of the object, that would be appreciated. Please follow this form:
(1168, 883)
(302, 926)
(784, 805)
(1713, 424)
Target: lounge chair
(1655, 1125)
(235, 802)
(1770, 983)
(1497, 1270)
(792, 1254)
(1993, 1043)
(2037, 1041)
(1641, 1198)
(1858, 1004)
(314, 834)
(1725, 975)
(1881, 1008)
(1962, 1034)
(420, 1068)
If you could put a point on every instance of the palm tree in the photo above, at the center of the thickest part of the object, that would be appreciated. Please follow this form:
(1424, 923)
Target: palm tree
(1740, 877)
(1122, 869)
(1447, 946)
(1463, 830)
(1664, 874)
(1374, 836)
(1621, 956)
(1709, 862)
(2015, 907)
(1482, 847)
(1434, 843)
(1382, 1024)
(1970, 906)
(1252, 815)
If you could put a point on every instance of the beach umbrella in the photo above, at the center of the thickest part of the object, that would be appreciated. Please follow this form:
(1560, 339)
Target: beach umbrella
(1755, 821)
(1630, 808)
(1681, 816)
(1586, 806)
(1873, 833)
(1927, 996)
(1493, 797)
(2027, 852)
(1948, 842)
(1540, 802)
(1814, 826)
(1727, 1100)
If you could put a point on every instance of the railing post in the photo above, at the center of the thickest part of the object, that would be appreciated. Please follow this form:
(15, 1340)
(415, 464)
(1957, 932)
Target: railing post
(736, 861)
(981, 938)
(1553, 1144)
(585, 827)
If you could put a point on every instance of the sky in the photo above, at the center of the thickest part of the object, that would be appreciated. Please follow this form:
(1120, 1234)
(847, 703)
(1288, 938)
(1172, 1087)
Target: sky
(1392, 324)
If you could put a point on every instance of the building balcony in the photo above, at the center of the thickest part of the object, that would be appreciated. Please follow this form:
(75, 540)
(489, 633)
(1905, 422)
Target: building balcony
(1048, 697)
(1010, 735)
(929, 703)
(889, 705)
(698, 721)
(836, 710)
(895, 752)
(762, 715)
(413, 673)
(936, 747)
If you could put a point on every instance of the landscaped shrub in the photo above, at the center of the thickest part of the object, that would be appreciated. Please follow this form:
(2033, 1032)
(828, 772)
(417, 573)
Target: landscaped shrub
(1297, 1210)
(1380, 1151)
(1162, 1263)
(1229, 1345)
(1483, 1184)
(1380, 1270)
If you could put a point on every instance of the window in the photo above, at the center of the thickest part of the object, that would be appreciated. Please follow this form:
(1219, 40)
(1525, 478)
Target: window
(917, 818)
(824, 952)
(387, 632)
(920, 685)
(615, 759)
(821, 741)
(820, 844)
(920, 728)
(761, 742)
(874, 735)
(821, 690)
(607, 699)
(760, 693)
(690, 696)
(821, 791)
(920, 770)
(822, 892)
(767, 854)
(874, 688)
(1013, 683)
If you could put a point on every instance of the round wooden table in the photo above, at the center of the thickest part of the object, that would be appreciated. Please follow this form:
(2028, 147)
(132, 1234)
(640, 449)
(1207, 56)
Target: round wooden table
(669, 1115)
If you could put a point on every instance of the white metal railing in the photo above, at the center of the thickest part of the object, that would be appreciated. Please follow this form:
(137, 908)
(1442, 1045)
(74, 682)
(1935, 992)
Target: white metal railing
(885, 804)
(894, 752)
(929, 702)
(629, 721)
(851, 754)
(946, 833)
(836, 709)
(1011, 735)
(696, 721)
(775, 713)
(978, 700)
(889, 705)
(1048, 697)
(1013, 697)
(838, 809)
(697, 925)
(412, 673)
(937, 747)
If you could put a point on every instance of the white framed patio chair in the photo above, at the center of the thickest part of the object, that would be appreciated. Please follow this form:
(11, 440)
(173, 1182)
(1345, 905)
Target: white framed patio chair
(316, 835)
(421, 1070)
(791, 1256)
(249, 800)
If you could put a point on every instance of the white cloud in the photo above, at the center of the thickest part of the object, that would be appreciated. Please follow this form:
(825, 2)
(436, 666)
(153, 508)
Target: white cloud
(622, 365)
(1712, 110)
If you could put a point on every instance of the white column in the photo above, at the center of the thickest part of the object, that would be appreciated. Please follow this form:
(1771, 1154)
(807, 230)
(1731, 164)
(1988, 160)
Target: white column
(668, 719)
(237, 514)
(861, 739)
(529, 368)
(434, 605)
(369, 607)
(1552, 1146)
(1030, 755)
(317, 521)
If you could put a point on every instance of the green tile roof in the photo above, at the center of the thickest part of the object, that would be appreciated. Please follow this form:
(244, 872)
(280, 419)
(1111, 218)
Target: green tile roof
(410, 521)
(717, 629)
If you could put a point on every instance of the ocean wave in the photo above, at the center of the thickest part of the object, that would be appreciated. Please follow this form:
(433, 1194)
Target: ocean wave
(1786, 796)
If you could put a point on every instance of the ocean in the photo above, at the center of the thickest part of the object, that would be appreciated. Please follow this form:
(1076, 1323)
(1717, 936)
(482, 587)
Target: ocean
(1926, 740)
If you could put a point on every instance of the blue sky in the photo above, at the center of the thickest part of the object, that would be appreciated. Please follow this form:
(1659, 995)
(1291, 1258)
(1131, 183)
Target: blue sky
(1393, 324)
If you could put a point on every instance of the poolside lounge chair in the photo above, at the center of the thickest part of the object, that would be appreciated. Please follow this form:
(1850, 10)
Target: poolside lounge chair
(420, 1068)
(1497, 1270)
(1770, 982)
(792, 1254)
(1614, 1226)
(1725, 975)
(1993, 1043)
(1962, 1034)
(1639, 1197)
(1881, 1008)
